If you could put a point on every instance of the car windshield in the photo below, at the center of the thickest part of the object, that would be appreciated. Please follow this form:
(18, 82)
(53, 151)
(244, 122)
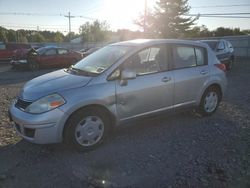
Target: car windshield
(102, 59)
(211, 44)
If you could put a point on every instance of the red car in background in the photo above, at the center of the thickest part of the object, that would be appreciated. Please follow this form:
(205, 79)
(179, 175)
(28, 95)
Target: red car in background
(49, 56)
(7, 50)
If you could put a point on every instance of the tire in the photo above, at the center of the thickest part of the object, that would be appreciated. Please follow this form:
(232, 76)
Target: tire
(33, 66)
(229, 65)
(87, 129)
(209, 101)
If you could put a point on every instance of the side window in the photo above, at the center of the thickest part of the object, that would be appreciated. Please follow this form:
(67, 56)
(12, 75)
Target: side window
(201, 56)
(148, 61)
(50, 52)
(62, 51)
(184, 57)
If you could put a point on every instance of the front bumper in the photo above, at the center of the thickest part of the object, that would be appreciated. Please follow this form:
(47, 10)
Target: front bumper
(45, 128)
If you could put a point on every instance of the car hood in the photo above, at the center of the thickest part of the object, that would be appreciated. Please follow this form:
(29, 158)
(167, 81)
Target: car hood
(51, 83)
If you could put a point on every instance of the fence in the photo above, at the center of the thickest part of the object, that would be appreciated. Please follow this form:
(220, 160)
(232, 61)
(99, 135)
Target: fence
(77, 46)
(241, 44)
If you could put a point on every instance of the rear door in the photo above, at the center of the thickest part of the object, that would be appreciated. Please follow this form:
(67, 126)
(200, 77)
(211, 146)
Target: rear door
(191, 70)
(151, 90)
(64, 57)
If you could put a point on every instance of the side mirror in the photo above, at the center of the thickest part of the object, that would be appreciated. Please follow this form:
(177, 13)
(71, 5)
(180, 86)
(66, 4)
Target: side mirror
(126, 75)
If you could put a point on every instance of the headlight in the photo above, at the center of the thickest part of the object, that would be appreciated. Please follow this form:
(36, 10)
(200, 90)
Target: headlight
(45, 104)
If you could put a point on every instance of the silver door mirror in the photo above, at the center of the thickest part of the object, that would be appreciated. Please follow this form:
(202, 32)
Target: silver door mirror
(128, 74)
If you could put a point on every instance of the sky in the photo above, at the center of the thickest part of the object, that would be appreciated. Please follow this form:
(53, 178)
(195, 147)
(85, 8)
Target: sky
(119, 14)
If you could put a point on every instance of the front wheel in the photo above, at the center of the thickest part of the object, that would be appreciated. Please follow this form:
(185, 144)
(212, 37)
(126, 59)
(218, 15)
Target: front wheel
(209, 102)
(87, 128)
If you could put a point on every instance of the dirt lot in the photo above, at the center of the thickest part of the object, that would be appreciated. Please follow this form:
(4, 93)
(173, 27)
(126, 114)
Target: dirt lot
(178, 151)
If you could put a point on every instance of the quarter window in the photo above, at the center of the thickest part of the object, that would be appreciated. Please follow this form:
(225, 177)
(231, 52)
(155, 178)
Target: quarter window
(200, 56)
(62, 51)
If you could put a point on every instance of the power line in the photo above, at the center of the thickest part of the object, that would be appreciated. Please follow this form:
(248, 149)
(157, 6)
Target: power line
(28, 14)
(221, 6)
(42, 14)
(211, 16)
(224, 14)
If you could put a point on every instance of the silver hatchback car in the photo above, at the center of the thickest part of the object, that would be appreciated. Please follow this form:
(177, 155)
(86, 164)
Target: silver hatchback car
(117, 83)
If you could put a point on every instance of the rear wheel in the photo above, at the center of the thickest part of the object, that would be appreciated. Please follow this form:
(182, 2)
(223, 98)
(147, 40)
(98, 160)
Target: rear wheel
(209, 102)
(87, 129)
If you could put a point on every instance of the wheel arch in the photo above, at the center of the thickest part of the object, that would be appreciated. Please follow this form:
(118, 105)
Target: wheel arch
(213, 85)
(104, 109)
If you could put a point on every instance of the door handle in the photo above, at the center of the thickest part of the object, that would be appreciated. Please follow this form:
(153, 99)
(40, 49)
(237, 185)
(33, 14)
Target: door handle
(165, 79)
(204, 72)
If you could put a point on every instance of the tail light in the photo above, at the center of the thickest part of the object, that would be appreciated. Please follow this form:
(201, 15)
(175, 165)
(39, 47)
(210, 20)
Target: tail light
(221, 66)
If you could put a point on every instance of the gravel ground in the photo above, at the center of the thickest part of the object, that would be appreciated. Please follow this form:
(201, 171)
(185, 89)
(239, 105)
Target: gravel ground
(183, 150)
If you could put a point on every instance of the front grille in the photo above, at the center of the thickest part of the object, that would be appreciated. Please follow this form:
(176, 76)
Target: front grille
(21, 104)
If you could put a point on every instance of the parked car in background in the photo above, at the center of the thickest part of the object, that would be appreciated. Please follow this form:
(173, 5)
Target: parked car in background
(83, 50)
(90, 51)
(224, 51)
(52, 56)
(116, 84)
(20, 56)
(7, 50)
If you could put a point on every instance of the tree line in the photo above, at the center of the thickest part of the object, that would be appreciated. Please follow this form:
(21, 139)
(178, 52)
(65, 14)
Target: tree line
(167, 20)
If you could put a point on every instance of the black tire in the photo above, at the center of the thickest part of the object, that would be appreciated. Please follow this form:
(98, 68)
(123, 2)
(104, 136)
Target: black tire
(229, 65)
(33, 66)
(70, 132)
(203, 108)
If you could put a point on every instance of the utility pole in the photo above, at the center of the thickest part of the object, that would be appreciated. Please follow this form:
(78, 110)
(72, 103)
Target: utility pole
(68, 16)
(145, 17)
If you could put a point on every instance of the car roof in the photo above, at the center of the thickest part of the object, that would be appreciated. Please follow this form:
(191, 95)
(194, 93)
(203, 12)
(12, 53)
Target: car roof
(53, 47)
(213, 40)
(149, 42)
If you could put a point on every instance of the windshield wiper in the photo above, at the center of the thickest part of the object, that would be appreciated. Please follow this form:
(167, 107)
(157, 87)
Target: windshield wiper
(82, 72)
